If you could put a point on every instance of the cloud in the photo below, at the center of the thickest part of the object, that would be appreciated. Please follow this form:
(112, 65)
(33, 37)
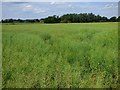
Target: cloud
(57, 3)
(69, 5)
(18, 2)
(109, 6)
(116, 6)
(27, 8)
(30, 8)
(52, 3)
(38, 10)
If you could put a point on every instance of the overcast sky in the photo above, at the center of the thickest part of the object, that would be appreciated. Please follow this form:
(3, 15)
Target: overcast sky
(30, 10)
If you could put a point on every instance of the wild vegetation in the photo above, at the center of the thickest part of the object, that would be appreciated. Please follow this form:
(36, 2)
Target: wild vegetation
(83, 55)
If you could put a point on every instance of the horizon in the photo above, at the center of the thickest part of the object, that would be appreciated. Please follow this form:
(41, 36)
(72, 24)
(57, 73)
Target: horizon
(38, 10)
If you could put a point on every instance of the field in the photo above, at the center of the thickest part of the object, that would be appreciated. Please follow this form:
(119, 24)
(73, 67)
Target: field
(83, 55)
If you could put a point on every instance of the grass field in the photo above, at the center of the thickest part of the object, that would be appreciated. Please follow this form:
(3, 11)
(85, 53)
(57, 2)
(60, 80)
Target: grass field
(83, 55)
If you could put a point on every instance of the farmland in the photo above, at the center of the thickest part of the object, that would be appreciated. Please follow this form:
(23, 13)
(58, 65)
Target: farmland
(79, 55)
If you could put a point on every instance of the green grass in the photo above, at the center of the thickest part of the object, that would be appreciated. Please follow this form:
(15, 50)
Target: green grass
(81, 55)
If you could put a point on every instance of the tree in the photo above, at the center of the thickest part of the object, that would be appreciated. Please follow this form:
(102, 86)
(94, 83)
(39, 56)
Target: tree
(104, 19)
(113, 19)
(66, 18)
(52, 19)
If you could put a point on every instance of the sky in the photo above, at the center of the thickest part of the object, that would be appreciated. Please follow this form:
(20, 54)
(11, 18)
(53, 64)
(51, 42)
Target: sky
(60, 0)
(38, 10)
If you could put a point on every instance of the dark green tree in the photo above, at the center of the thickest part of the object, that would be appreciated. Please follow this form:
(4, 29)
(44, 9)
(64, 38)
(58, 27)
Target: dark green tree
(113, 19)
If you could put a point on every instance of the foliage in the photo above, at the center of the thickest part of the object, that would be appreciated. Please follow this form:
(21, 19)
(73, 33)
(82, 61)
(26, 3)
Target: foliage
(66, 18)
(113, 19)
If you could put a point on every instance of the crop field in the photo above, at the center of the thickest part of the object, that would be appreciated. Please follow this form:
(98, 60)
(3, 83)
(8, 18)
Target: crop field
(79, 55)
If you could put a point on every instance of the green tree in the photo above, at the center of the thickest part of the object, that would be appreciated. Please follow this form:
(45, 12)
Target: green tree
(113, 19)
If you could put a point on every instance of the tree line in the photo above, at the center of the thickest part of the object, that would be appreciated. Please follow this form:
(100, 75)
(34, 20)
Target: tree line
(67, 18)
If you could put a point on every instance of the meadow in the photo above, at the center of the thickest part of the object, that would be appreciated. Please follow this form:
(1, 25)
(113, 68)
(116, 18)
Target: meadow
(79, 55)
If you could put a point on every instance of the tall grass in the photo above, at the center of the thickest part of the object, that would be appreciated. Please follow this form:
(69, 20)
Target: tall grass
(60, 55)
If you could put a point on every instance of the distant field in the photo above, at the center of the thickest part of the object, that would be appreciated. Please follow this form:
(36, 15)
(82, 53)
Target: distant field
(83, 55)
